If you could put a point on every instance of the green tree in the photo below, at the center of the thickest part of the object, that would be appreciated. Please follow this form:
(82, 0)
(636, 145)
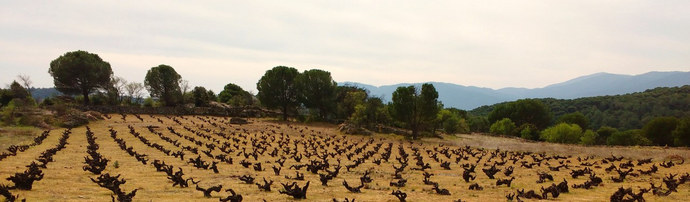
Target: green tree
(503, 127)
(528, 131)
(212, 96)
(479, 124)
(278, 90)
(589, 138)
(232, 90)
(370, 112)
(415, 109)
(317, 91)
(628, 138)
(575, 118)
(604, 133)
(18, 91)
(200, 96)
(523, 111)
(115, 90)
(455, 125)
(562, 133)
(660, 130)
(80, 72)
(5, 97)
(681, 136)
(163, 82)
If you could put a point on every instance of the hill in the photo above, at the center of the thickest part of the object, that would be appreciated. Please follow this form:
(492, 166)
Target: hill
(600, 84)
(628, 111)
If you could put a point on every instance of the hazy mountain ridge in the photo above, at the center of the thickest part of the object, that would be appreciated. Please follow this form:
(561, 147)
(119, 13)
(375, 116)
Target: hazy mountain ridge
(599, 84)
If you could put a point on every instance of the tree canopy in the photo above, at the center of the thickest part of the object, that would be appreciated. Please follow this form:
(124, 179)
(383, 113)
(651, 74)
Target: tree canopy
(660, 130)
(163, 82)
(278, 90)
(416, 109)
(523, 111)
(563, 133)
(317, 91)
(234, 95)
(80, 72)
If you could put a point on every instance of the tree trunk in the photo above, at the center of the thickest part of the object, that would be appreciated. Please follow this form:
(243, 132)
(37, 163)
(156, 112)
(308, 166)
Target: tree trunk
(85, 93)
(285, 116)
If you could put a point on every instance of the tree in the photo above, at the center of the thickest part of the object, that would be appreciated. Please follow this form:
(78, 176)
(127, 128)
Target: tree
(212, 96)
(479, 124)
(575, 118)
(234, 95)
(200, 96)
(660, 130)
(26, 82)
(562, 133)
(503, 127)
(604, 133)
(628, 138)
(589, 138)
(370, 112)
(115, 90)
(528, 131)
(343, 98)
(163, 82)
(416, 109)
(134, 92)
(681, 136)
(523, 111)
(5, 97)
(80, 72)
(184, 87)
(18, 91)
(277, 89)
(317, 91)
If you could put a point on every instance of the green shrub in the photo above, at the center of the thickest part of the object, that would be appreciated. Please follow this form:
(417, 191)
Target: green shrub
(528, 131)
(503, 127)
(562, 133)
(148, 102)
(681, 136)
(628, 138)
(589, 138)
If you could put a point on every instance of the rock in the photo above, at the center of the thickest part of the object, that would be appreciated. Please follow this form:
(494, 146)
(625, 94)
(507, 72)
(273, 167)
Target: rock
(351, 129)
(236, 120)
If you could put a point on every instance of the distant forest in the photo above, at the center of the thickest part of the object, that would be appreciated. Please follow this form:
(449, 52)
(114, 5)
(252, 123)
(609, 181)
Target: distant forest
(625, 112)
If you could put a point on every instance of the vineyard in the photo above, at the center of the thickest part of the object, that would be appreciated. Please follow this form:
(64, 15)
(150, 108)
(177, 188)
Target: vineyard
(202, 158)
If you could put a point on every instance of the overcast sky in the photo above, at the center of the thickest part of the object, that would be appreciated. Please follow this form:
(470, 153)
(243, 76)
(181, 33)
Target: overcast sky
(491, 44)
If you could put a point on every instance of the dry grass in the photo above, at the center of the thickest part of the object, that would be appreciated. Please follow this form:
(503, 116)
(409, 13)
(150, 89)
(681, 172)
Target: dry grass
(65, 180)
(17, 135)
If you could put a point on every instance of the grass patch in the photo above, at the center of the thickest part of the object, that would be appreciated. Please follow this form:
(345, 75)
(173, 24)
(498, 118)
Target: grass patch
(17, 135)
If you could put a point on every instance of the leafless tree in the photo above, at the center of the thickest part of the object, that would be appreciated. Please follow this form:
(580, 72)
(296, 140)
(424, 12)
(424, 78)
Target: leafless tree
(184, 86)
(134, 90)
(26, 82)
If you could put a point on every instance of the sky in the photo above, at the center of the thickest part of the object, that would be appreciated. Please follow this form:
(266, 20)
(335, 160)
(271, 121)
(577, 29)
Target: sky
(492, 44)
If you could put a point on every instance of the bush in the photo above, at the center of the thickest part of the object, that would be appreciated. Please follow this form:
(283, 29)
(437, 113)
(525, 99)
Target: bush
(681, 136)
(589, 138)
(628, 138)
(47, 102)
(148, 102)
(562, 133)
(503, 127)
(450, 126)
(660, 130)
(604, 133)
(528, 131)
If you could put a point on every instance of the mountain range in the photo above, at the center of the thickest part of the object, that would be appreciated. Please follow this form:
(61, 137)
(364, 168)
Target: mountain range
(599, 84)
